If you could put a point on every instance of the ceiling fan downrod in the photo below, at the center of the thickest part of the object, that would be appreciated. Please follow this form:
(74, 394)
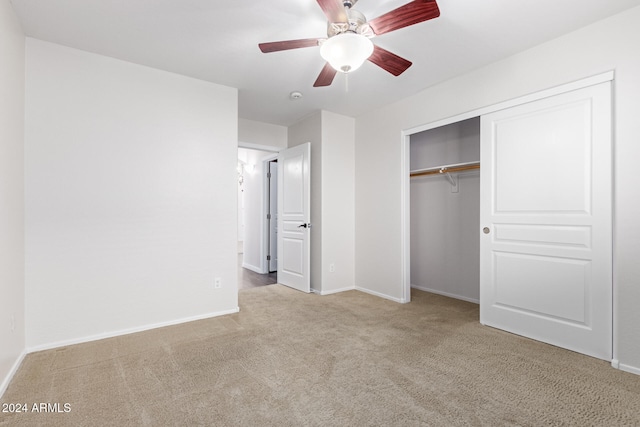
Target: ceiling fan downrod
(348, 4)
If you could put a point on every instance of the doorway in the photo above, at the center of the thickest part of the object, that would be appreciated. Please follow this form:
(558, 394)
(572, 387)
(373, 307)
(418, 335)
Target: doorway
(255, 197)
(275, 203)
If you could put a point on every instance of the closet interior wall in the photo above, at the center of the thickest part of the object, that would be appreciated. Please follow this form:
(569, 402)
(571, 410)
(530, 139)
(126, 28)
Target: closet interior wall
(445, 225)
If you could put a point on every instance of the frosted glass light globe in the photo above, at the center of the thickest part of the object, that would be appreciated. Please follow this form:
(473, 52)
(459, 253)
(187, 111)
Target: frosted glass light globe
(346, 52)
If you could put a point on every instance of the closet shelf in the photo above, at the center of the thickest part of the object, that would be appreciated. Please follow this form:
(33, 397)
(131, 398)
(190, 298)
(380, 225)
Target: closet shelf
(456, 167)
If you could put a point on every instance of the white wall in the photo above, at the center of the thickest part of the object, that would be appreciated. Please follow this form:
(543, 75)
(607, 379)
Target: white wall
(611, 44)
(445, 243)
(256, 134)
(130, 192)
(338, 202)
(332, 139)
(12, 292)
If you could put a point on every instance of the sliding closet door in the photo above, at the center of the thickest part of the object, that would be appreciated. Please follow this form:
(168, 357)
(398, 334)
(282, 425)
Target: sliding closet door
(546, 220)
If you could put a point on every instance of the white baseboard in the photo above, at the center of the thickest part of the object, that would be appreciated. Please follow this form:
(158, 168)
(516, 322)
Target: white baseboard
(90, 338)
(446, 294)
(627, 368)
(335, 291)
(253, 268)
(11, 373)
(378, 294)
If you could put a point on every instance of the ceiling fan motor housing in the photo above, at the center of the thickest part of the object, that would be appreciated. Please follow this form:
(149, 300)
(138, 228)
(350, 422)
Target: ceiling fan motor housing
(357, 23)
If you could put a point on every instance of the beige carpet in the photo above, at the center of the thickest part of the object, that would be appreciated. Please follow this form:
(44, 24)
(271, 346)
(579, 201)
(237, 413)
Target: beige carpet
(348, 359)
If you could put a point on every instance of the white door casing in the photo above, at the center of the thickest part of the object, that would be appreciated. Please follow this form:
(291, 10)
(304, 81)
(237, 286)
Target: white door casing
(294, 211)
(546, 220)
(273, 216)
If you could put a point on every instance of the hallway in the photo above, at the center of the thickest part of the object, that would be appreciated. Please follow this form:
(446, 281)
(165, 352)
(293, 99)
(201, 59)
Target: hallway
(248, 279)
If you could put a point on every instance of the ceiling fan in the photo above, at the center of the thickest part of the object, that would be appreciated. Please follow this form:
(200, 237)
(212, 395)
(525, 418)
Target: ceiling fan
(348, 42)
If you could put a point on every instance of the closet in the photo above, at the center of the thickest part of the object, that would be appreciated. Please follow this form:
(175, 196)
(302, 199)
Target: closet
(529, 234)
(445, 210)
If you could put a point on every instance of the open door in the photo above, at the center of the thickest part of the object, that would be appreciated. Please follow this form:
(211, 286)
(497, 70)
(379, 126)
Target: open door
(546, 220)
(294, 212)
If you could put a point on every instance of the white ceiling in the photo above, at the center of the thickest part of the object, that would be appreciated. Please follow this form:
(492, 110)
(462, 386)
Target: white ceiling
(217, 40)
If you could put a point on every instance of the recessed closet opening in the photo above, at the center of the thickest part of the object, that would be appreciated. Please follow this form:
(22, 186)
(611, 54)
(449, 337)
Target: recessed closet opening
(534, 245)
(445, 210)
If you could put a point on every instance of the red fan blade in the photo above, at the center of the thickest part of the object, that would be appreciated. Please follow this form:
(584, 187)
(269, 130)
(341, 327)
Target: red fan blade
(404, 16)
(287, 44)
(334, 10)
(326, 76)
(389, 61)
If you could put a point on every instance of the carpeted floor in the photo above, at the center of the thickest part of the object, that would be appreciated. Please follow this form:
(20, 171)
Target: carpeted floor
(349, 359)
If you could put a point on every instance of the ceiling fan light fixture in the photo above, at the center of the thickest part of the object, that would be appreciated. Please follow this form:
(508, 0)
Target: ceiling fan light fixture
(346, 52)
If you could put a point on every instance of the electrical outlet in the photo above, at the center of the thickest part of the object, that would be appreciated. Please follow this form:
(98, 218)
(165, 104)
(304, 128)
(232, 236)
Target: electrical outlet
(217, 283)
(332, 268)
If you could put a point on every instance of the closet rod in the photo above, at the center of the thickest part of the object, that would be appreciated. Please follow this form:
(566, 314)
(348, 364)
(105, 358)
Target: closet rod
(446, 169)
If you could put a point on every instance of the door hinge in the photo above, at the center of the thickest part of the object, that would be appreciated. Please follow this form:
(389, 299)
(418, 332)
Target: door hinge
(268, 216)
(268, 174)
(268, 257)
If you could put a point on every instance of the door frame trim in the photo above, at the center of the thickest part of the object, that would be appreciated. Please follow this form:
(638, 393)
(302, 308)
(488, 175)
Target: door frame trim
(405, 194)
(264, 224)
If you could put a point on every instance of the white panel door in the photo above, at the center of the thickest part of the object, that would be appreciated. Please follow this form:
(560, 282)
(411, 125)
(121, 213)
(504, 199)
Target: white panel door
(294, 217)
(546, 220)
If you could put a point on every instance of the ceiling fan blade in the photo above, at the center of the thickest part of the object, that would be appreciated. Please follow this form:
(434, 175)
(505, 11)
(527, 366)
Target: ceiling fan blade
(334, 10)
(404, 16)
(287, 44)
(389, 61)
(326, 76)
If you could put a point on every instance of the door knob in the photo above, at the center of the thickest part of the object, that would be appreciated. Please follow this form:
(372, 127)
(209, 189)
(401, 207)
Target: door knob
(486, 230)
(305, 225)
